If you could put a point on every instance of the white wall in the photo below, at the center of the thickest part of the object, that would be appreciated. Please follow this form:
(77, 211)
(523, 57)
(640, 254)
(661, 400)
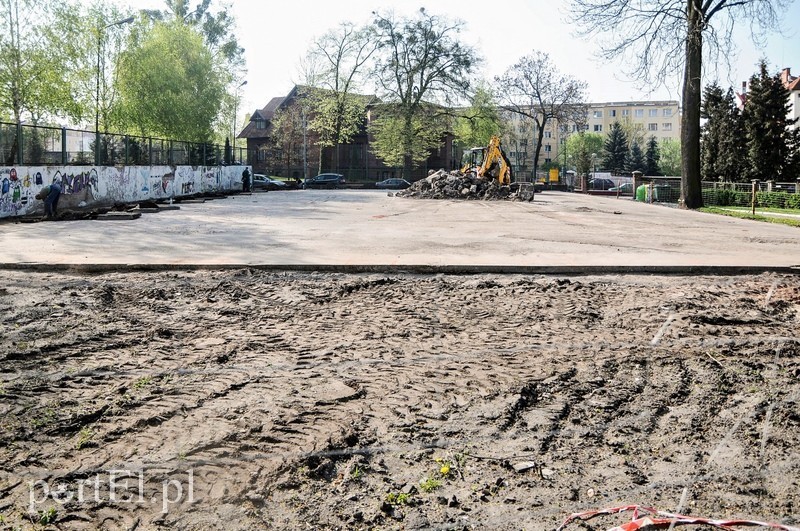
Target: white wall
(96, 186)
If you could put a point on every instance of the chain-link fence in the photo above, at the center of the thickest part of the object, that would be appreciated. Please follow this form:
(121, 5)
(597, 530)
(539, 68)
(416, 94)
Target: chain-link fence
(23, 144)
(758, 195)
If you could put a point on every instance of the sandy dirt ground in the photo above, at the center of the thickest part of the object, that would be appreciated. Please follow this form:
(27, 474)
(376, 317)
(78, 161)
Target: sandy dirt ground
(244, 399)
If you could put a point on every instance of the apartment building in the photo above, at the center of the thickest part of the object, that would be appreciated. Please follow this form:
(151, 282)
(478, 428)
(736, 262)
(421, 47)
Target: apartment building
(643, 119)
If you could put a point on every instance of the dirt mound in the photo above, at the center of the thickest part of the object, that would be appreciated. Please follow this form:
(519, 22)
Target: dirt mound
(454, 185)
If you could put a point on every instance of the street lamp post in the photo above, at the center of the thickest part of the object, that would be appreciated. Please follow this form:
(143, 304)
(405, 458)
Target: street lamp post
(100, 33)
(235, 111)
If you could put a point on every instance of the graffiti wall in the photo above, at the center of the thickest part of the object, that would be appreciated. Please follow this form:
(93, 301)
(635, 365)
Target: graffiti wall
(94, 186)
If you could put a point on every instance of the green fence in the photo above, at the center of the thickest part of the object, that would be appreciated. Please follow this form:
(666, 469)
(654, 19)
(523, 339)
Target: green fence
(28, 145)
(767, 195)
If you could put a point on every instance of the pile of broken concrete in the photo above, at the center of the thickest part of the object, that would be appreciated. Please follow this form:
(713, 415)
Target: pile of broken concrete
(455, 185)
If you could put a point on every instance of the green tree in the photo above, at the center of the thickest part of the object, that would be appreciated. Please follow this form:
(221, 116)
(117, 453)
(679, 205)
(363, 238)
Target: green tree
(338, 111)
(615, 149)
(34, 68)
(635, 159)
(289, 136)
(534, 90)
(169, 84)
(666, 37)
(420, 64)
(580, 147)
(391, 143)
(652, 158)
(480, 121)
(721, 153)
(766, 126)
(670, 156)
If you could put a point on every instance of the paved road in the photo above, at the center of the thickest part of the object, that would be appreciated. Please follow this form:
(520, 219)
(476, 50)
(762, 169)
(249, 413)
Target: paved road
(370, 228)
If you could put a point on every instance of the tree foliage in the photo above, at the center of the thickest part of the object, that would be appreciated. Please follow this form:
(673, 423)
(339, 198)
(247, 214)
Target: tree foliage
(34, 68)
(635, 161)
(476, 125)
(766, 127)
(169, 84)
(535, 90)
(670, 157)
(722, 136)
(661, 39)
(420, 64)
(652, 158)
(337, 109)
(615, 149)
(580, 147)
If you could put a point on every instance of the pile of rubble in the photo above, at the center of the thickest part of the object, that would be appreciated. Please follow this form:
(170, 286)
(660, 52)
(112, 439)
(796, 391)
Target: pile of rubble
(454, 185)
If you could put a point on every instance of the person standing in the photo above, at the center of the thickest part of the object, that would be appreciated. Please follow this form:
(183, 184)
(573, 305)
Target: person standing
(246, 180)
(50, 195)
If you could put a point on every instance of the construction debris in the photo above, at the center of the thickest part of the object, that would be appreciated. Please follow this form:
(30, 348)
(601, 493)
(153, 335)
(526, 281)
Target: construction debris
(454, 185)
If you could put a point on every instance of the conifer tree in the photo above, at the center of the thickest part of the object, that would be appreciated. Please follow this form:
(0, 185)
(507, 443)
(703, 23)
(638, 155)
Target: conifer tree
(652, 157)
(722, 154)
(616, 149)
(635, 160)
(766, 126)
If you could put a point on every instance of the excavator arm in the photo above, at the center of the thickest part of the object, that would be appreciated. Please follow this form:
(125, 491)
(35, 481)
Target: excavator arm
(493, 163)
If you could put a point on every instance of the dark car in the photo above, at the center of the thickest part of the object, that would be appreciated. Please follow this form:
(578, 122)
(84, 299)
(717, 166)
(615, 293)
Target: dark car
(325, 180)
(393, 184)
(600, 184)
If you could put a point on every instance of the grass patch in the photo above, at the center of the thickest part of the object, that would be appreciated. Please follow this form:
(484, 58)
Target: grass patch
(429, 484)
(795, 211)
(744, 214)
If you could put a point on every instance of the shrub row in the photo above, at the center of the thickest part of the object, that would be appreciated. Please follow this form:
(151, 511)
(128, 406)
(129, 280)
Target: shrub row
(763, 199)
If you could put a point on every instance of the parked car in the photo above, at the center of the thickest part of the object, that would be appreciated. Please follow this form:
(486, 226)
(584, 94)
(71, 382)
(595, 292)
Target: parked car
(624, 188)
(600, 183)
(325, 180)
(263, 182)
(393, 184)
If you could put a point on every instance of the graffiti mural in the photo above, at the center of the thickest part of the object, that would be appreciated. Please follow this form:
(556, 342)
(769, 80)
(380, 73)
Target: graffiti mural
(100, 186)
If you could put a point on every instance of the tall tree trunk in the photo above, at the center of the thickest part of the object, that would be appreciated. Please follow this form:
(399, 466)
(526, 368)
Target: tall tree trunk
(538, 149)
(691, 186)
(408, 160)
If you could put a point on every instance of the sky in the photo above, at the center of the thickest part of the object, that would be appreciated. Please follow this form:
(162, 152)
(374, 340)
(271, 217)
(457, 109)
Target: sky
(277, 34)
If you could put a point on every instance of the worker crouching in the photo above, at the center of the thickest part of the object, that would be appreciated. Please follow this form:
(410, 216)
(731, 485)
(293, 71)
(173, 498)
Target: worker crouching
(50, 195)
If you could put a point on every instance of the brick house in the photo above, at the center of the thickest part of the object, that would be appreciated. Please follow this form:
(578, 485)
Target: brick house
(356, 160)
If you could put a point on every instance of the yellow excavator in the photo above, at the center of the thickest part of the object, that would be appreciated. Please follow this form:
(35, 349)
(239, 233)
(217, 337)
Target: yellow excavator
(488, 162)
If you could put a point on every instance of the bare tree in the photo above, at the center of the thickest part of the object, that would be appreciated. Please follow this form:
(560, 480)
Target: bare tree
(535, 90)
(662, 37)
(420, 63)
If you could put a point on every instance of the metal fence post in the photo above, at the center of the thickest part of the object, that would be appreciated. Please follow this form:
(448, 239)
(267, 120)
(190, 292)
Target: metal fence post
(150, 151)
(19, 143)
(127, 149)
(64, 146)
(755, 189)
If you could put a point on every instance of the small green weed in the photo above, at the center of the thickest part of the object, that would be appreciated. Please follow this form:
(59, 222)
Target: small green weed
(356, 473)
(143, 382)
(48, 517)
(398, 498)
(84, 437)
(429, 484)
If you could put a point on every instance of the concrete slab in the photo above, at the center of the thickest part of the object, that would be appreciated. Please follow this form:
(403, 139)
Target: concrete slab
(369, 228)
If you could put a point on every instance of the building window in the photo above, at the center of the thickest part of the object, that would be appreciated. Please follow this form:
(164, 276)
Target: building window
(626, 112)
(523, 142)
(597, 114)
(652, 127)
(666, 127)
(548, 148)
(653, 113)
(548, 134)
(547, 161)
(613, 112)
(667, 113)
(598, 128)
(638, 113)
(260, 123)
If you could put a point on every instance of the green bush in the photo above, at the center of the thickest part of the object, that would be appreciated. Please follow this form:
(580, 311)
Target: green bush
(725, 197)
